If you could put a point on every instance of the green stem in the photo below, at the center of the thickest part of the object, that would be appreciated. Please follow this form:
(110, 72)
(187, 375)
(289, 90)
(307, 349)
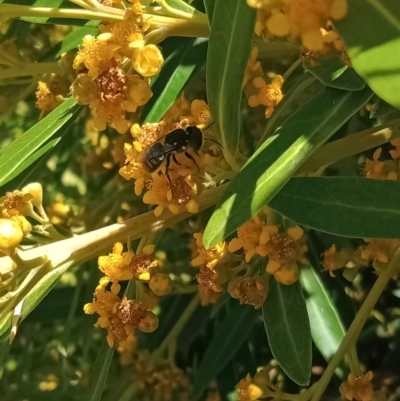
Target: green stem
(29, 69)
(173, 12)
(351, 145)
(289, 71)
(358, 323)
(179, 325)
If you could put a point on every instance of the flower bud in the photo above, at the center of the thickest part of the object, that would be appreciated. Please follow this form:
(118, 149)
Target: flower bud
(147, 60)
(84, 89)
(160, 284)
(36, 190)
(149, 322)
(10, 236)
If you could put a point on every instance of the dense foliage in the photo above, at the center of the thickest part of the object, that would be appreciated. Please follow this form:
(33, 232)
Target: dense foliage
(199, 200)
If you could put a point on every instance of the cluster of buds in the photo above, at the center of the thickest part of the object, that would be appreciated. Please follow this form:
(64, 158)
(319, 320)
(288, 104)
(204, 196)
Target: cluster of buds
(178, 187)
(218, 265)
(121, 316)
(384, 169)
(101, 64)
(376, 253)
(297, 19)
(159, 383)
(15, 207)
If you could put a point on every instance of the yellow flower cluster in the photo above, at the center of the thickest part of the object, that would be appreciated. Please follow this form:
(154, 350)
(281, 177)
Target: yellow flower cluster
(219, 266)
(387, 169)
(298, 18)
(14, 208)
(284, 250)
(179, 187)
(121, 316)
(102, 62)
(376, 252)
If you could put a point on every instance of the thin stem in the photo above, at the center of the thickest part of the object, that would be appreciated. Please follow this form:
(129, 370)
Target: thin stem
(358, 323)
(289, 71)
(179, 325)
(173, 12)
(29, 69)
(351, 145)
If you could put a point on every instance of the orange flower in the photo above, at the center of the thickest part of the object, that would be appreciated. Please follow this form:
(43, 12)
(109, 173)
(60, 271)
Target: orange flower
(357, 388)
(249, 290)
(211, 256)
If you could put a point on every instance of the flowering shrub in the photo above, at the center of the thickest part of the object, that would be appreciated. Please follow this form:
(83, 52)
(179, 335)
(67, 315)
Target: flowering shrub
(180, 178)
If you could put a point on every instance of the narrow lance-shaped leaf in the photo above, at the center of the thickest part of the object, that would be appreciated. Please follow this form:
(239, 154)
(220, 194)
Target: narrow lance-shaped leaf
(288, 330)
(229, 336)
(331, 71)
(327, 329)
(354, 207)
(229, 48)
(99, 373)
(279, 157)
(176, 71)
(371, 32)
(14, 156)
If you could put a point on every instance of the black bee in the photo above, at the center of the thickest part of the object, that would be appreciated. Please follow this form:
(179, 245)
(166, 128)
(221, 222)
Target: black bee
(177, 141)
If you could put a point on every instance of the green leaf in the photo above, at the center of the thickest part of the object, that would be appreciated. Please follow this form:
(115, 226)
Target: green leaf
(288, 330)
(181, 5)
(25, 150)
(99, 373)
(278, 158)
(229, 336)
(36, 295)
(209, 6)
(176, 71)
(371, 32)
(331, 71)
(74, 39)
(231, 40)
(382, 108)
(353, 207)
(327, 329)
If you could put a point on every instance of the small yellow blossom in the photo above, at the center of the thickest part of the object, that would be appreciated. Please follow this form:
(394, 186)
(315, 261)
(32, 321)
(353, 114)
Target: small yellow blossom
(11, 235)
(96, 55)
(249, 290)
(160, 284)
(334, 260)
(211, 256)
(357, 388)
(46, 100)
(147, 60)
(269, 95)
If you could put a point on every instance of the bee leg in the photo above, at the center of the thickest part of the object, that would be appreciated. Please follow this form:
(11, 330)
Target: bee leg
(176, 161)
(189, 156)
(167, 170)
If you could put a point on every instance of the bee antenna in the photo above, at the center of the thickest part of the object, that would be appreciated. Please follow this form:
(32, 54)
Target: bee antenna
(212, 140)
(210, 125)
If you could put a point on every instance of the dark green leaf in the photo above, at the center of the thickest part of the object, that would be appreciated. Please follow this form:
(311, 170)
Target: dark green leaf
(334, 73)
(99, 373)
(352, 207)
(209, 6)
(327, 329)
(371, 32)
(278, 158)
(288, 330)
(176, 71)
(382, 108)
(229, 48)
(229, 336)
(74, 39)
(22, 152)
